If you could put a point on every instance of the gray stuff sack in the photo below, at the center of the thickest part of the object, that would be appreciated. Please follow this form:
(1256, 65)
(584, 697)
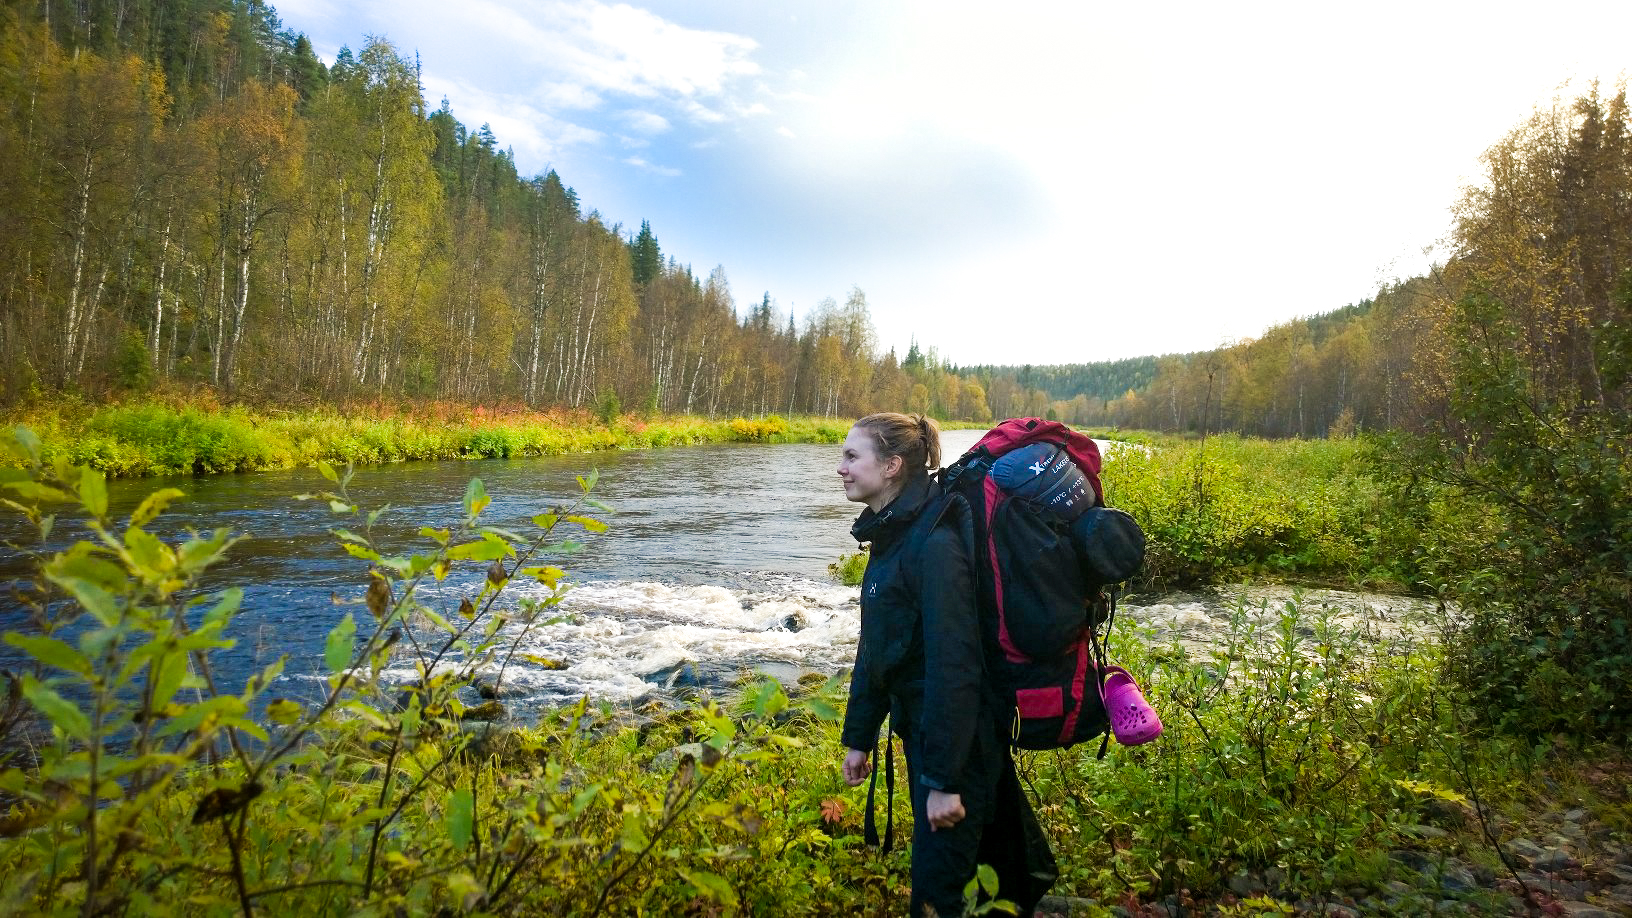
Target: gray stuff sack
(1110, 545)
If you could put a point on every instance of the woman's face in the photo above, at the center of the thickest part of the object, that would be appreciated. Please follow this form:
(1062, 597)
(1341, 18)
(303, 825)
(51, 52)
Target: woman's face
(867, 479)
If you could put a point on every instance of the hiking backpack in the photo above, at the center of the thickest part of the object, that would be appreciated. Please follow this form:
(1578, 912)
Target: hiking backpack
(1048, 556)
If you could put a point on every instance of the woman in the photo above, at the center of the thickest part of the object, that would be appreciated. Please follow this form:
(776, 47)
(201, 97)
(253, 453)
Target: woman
(920, 661)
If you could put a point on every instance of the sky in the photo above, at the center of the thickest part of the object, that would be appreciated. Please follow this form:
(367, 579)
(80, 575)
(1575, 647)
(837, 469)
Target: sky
(1023, 183)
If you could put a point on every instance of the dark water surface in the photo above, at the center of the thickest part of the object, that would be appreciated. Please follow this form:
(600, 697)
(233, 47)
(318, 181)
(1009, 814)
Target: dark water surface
(716, 556)
(715, 553)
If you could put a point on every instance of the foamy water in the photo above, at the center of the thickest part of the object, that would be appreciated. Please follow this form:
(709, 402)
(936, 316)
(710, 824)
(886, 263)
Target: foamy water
(622, 640)
(626, 640)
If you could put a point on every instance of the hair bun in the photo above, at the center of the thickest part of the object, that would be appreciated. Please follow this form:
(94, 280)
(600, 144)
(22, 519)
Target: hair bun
(914, 437)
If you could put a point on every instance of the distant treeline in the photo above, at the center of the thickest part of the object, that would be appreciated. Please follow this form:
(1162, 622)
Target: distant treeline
(1536, 281)
(1103, 381)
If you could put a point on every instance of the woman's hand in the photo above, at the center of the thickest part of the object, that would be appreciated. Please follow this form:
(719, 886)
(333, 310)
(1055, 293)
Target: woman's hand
(857, 766)
(944, 810)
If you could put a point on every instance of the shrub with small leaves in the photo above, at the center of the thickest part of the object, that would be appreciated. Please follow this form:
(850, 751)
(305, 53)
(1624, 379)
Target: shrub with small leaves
(156, 786)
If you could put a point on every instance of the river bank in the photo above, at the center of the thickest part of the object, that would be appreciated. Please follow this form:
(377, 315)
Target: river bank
(1333, 778)
(630, 643)
(200, 436)
(1312, 760)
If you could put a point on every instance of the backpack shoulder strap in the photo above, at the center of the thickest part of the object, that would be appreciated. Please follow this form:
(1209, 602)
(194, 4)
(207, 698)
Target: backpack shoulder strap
(976, 461)
(949, 506)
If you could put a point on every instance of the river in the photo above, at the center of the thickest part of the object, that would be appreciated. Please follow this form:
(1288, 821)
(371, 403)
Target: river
(716, 557)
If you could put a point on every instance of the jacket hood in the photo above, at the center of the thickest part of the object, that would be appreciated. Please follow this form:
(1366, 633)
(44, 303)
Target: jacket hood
(897, 515)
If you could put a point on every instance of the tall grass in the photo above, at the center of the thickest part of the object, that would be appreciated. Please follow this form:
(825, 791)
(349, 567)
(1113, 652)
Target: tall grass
(158, 438)
(1235, 506)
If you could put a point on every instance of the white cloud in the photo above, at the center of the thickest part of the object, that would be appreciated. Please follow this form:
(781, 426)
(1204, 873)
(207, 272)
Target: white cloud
(608, 66)
(645, 122)
(785, 95)
(639, 52)
(568, 95)
(785, 131)
(537, 136)
(749, 111)
(585, 47)
(700, 113)
(706, 144)
(640, 163)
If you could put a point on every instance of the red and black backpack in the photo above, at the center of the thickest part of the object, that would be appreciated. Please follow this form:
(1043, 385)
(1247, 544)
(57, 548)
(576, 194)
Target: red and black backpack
(1048, 555)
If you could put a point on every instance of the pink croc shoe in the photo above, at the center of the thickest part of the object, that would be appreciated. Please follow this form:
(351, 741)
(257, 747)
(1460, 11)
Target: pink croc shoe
(1132, 720)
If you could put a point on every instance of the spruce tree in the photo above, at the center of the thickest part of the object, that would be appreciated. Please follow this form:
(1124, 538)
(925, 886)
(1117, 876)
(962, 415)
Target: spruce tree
(645, 256)
(308, 74)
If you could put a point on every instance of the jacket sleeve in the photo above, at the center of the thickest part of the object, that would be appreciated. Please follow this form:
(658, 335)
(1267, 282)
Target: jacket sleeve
(869, 698)
(953, 658)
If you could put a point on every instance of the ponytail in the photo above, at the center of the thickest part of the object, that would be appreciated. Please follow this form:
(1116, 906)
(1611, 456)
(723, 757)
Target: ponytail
(931, 436)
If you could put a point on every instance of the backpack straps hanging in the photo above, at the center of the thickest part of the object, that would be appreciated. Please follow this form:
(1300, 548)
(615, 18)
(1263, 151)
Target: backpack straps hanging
(870, 826)
(1097, 641)
(1101, 660)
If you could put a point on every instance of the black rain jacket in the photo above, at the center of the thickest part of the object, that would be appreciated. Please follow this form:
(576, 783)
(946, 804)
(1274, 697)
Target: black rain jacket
(920, 655)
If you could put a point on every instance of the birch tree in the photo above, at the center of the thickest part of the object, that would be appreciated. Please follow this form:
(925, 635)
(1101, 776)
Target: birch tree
(98, 119)
(255, 142)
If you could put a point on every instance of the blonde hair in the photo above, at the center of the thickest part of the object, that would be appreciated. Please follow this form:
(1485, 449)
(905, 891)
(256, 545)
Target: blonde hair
(913, 437)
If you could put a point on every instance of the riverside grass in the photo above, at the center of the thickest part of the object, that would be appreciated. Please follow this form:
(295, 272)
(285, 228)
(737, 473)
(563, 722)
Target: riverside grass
(156, 437)
(1293, 748)
(773, 829)
(1236, 507)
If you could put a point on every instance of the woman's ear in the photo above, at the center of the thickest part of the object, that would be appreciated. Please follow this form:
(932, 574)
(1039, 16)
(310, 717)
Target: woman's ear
(892, 466)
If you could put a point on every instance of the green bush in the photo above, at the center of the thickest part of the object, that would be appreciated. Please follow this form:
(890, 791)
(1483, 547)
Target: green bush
(132, 363)
(1293, 745)
(1233, 507)
(1526, 528)
(156, 789)
(850, 568)
(607, 407)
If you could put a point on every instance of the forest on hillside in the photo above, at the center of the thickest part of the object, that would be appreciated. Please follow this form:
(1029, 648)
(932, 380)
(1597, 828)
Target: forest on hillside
(1073, 388)
(196, 200)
